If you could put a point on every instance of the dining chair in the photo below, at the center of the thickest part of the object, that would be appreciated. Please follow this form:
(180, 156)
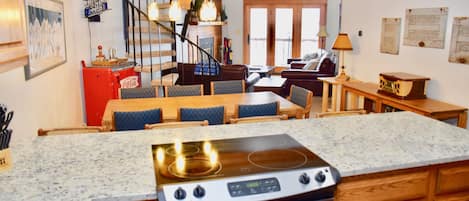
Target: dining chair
(266, 109)
(136, 120)
(301, 97)
(69, 130)
(214, 115)
(180, 124)
(144, 92)
(258, 119)
(183, 90)
(340, 113)
(227, 87)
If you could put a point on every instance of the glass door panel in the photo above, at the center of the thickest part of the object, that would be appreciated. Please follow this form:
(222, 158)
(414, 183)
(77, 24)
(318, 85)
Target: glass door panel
(258, 36)
(283, 35)
(309, 28)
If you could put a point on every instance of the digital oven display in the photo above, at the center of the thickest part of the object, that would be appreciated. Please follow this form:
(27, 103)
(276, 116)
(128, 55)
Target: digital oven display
(253, 187)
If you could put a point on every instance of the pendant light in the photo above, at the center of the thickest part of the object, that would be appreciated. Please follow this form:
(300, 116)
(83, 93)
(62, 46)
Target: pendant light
(153, 11)
(208, 11)
(174, 11)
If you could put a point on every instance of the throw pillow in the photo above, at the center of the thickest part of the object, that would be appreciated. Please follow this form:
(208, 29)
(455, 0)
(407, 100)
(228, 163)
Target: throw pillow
(310, 56)
(311, 65)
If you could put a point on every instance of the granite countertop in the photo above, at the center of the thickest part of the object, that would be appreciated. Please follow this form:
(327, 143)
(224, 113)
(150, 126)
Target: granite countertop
(119, 166)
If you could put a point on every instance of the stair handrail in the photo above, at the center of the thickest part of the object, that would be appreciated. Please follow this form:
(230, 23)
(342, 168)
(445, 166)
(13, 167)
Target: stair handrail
(173, 32)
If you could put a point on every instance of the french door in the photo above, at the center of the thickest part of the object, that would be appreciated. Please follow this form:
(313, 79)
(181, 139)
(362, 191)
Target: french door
(274, 31)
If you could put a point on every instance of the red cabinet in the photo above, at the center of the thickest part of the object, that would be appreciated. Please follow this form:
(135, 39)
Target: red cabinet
(102, 84)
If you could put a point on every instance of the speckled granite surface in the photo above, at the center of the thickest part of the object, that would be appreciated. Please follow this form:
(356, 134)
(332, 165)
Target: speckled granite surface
(119, 166)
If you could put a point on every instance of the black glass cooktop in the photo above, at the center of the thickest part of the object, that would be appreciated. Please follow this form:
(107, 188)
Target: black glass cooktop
(202, 160)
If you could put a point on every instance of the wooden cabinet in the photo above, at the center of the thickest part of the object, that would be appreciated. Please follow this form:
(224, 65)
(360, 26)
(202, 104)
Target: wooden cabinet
(13, 52)
(447, 182)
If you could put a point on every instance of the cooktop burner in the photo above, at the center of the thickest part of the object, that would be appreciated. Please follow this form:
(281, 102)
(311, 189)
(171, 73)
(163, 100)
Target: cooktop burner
(233, 162)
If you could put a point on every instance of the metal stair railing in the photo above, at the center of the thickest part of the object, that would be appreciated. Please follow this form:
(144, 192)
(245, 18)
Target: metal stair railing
(197, 55)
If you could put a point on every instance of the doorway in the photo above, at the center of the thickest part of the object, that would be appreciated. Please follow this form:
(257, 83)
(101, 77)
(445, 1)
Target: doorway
(275, 31)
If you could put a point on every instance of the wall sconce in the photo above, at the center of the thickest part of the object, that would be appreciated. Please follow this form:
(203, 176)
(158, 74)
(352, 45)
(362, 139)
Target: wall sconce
(208, 11)
(174, 11)
(153, 11)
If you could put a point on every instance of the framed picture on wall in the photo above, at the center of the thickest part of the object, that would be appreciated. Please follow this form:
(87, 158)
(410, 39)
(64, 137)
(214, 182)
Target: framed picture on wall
(46, 36)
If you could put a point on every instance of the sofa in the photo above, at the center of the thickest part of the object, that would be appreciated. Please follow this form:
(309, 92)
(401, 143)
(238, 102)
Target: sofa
(227, 72)
(304, 74)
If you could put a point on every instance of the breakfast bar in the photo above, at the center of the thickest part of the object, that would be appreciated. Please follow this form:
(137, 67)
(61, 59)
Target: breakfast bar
(119, 166)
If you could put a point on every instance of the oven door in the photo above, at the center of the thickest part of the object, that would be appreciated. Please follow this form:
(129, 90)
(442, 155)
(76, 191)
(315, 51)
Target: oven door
(324, 194)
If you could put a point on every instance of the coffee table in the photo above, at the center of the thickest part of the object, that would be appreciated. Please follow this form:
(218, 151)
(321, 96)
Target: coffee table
(273, 83)
(264, 71)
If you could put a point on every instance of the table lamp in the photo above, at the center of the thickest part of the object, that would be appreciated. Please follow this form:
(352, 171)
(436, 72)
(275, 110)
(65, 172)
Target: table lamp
(342, 43)
(322, 35)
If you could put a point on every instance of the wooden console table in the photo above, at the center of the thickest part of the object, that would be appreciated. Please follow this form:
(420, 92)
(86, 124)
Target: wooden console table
(428, 107)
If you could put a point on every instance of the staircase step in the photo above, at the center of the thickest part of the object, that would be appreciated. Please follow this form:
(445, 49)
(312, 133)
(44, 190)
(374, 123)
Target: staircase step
(155, 41)
(164, 53)
(167, 80)
(164, 5)
(156, 67)
(153, 30)
(161, 18)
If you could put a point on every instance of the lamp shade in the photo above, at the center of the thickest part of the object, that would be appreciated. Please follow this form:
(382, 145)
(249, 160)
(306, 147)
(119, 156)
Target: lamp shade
(185, 4)
(342, 42)
(322, 32)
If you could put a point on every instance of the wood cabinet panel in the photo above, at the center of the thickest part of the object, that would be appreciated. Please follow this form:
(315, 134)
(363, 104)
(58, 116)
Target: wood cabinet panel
(454, 197)
(409, 186)
(452, 179)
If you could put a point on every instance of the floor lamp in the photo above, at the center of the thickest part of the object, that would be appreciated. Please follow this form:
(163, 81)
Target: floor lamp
(322, 35)
(342, 43)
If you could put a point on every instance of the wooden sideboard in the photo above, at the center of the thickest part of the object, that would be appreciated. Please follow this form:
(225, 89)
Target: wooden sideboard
(446, 182)
(375, 102)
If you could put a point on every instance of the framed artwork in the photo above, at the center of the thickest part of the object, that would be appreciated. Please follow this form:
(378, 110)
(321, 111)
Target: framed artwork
(459, 49)
(425, 27)
(46, 36)
(390, 35)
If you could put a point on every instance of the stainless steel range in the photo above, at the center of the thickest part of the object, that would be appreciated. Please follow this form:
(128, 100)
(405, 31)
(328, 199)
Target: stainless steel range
(274, 167)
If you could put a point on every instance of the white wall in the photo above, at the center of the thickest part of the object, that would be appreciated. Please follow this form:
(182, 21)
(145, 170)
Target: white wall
(448, 80)
(234, 28)
(54, 98)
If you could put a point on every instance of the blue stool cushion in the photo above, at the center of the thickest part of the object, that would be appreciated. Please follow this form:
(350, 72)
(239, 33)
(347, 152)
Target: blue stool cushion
(214, 115)
(228, 87)
(136, 120)
(299, 95)
(267, 109)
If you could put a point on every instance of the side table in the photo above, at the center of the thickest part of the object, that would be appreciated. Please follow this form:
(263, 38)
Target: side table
(326, 81)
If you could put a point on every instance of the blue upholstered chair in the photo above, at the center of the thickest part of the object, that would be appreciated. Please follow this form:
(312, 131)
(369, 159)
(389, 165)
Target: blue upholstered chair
(227, 87)
(214, 115)
(267, 109)
(301, 97)
(136, 120)
(146, 92)
(183, 90)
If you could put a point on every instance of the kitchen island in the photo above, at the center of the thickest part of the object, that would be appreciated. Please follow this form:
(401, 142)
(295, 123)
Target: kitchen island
(119, 166)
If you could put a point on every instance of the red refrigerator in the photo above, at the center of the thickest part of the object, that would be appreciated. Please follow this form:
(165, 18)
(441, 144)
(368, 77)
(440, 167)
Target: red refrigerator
(102, 84)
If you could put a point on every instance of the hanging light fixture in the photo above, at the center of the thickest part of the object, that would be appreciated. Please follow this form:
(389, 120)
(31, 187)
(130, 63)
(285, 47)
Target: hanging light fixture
(174, 11)
(208, 11)
(153, 11)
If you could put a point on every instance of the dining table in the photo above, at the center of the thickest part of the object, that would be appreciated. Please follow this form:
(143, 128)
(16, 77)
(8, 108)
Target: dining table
(171, 105)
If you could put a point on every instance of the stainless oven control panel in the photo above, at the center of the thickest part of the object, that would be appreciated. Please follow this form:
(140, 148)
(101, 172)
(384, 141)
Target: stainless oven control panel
(264, 186)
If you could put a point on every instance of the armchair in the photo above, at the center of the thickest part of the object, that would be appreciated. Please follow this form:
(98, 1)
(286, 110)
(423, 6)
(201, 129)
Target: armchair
(299, 75)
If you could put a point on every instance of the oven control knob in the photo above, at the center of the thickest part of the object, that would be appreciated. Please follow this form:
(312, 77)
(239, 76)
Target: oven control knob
(180, 194)
(320, 177)
(199, 191)
(304, 178)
